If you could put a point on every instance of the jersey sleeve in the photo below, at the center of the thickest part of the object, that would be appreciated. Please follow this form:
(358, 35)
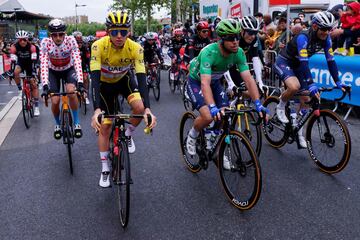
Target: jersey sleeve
(139, 59)
(13, 55)
(302, 43)
(206, 61)
(241, 61)
(44, 62)
(329, 54)
(95, 60)
(33, 53)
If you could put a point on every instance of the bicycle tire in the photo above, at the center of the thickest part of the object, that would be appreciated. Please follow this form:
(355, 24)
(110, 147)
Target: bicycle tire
(329, 141)
(254, 139)
(240, 169)
(182, 77)
(121, 180)
(156, 87)
(25, 109)
(273, 124)
(67, 135)
(193, 166)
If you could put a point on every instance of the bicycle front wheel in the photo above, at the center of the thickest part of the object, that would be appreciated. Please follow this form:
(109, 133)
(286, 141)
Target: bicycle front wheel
(275, 132)
(186, 123)
(156, 87)
(122, 180)
(25, 109)
(68, 137)
(328, 141)
(239, 170)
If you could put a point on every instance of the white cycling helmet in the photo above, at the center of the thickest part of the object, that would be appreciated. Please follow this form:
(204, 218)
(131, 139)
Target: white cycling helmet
(150, 36)
(323, 19)
(22, 34)
(250, 23)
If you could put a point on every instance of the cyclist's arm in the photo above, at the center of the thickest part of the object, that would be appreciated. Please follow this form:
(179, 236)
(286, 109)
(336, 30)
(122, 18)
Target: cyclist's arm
(206, 89)
(44, 62)
(13, 57)
(257, 68)
(158, 52)
(75, 54)
(333, 69)
(95, 68)
(33, 59)
(304, 70)
(141, 77)
(246, 75)
(191, 48)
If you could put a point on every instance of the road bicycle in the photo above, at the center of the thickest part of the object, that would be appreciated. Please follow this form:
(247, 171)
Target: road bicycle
(327, 136)
(27, 100)
(241, 175)
(120, 161)
(153, 79)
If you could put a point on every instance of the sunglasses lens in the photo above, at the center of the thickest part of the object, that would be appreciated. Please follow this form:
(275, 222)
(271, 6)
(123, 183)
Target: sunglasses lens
(115, 32)
(231, 38)
(58, 34)
(205, 31)
(252, 33)
(325, 29)
(22, 39)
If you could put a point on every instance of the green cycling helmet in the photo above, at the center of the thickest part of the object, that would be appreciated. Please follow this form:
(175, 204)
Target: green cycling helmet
(227, 27)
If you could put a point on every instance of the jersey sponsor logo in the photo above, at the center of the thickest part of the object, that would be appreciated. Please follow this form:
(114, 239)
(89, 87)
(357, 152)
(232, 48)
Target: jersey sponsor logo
(125, 60)
(331, 52)
(94, 47)
(207, 65)
(303, 53)
(93, 58)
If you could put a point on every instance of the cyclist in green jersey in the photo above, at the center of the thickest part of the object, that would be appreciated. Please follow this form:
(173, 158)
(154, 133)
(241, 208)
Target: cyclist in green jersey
(207, 70)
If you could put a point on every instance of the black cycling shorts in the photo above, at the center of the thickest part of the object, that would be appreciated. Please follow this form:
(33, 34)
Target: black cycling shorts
(126, 86)
(69, 76)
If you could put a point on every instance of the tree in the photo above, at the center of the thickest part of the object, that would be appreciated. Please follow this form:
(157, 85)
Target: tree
(85, 28)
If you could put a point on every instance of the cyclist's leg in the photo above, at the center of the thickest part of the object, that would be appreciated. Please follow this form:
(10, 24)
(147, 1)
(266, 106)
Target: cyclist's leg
(54, 86)
(73, 99)
(17, 71)
(35, 90)
(287, 75)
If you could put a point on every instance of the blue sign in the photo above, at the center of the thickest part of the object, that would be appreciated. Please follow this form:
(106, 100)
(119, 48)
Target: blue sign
(42, 34)
(349, 74)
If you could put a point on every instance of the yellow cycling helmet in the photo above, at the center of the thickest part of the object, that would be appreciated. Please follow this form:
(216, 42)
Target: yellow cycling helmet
(118, 19)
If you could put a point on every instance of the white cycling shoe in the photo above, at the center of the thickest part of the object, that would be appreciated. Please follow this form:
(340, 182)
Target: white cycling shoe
(226, 163)
(280, 112)
(191, 145)
(104, 180)
(36, 112)
(131, 145)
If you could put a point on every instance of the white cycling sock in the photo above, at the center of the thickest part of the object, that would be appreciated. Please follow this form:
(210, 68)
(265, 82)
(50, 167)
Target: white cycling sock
(104, 161)
(129, 130)
(193, 133)
(282, 104)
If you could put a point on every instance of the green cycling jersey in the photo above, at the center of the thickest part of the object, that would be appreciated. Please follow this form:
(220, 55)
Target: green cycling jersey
(211, 61)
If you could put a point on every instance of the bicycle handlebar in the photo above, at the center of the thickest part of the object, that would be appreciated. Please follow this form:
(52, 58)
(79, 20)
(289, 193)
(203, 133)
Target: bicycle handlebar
(58, 94)
(329, 89)
(249, 110)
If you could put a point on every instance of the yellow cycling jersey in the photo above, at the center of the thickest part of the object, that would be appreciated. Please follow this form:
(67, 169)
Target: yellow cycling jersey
(115, 63)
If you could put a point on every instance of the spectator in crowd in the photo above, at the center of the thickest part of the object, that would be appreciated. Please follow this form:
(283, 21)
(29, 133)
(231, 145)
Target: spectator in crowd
(267, 29)
(278, 37)
(296, 20)
(301, 15)
(350, 23)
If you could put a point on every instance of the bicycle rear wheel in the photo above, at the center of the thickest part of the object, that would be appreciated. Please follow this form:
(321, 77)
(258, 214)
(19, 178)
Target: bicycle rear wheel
(328, 141)
(245, 123)
(242, 179)
(186, 123)
(275, 132)
(68, 136)
(122, 180)
(25, 109)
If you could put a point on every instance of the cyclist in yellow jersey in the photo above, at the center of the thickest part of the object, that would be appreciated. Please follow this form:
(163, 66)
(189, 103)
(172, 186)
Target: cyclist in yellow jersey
(112, 61)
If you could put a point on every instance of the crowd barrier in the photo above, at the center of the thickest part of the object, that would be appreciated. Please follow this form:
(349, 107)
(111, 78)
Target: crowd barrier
(5, 63)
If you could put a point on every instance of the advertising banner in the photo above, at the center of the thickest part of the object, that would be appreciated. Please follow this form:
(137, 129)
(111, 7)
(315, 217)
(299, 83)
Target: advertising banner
(42, 34)
(284, 2)
(349, 74)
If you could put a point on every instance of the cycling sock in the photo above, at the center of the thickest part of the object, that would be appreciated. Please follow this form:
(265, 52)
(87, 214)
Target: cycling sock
(19, 86)
(36, 100)
(76, 116)
(104, 161)
(193, 133)
(281, 104)
(129, 130)
(57, 119)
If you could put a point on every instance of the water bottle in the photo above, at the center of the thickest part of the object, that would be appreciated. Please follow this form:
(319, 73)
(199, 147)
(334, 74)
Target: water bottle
(294, 105)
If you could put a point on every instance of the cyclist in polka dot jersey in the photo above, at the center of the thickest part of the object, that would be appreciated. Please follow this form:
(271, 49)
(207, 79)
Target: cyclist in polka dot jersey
(60, 59)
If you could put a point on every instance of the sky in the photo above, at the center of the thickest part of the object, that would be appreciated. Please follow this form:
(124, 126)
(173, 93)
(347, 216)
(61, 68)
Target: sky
(96, 10)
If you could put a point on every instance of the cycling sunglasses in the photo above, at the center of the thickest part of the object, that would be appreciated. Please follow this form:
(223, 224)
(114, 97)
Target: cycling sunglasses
(204, 31)
(115, 32)
(23, 39)
(325, 29)
(231, 38)
(58, 34)
(251, 33)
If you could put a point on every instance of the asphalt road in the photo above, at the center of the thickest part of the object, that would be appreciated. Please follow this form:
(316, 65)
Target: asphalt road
(41, 200)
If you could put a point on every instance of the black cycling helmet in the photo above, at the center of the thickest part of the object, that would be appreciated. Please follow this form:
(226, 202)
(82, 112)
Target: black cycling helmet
(56, 25)
(118, 19)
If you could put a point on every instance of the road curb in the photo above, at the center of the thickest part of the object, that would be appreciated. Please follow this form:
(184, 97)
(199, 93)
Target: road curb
(8, 117)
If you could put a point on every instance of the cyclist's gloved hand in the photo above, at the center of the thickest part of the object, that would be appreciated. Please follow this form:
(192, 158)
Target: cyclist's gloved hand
(260, 108)
(45, 91)
(80, 87)
(214, 111)
(313, 89)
